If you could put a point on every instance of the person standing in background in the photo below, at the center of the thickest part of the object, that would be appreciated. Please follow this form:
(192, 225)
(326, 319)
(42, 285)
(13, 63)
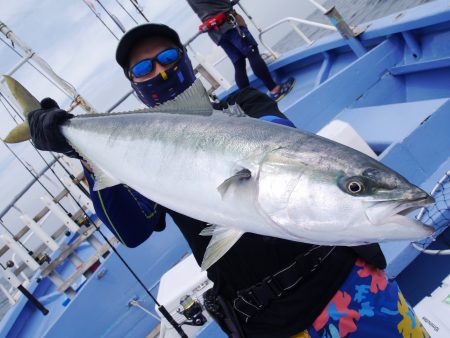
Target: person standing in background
(229, 30)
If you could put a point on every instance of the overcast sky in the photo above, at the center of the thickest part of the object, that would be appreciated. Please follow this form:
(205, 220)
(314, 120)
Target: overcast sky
(81, 50)
(70, 38)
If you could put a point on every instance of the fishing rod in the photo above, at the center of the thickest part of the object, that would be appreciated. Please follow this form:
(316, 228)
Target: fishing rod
(161, 308)
(136, 5)
(16, 283)
(125, 10)
(22, 162)
(112, 17)
(92, 8)
(56, 158)
(3, 225)
(35, 68)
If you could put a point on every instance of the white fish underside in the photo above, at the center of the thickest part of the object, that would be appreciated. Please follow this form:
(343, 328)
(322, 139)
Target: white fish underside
(174, 160)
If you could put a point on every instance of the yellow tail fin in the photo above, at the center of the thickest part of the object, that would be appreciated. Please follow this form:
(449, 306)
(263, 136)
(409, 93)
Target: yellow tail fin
(27, 103)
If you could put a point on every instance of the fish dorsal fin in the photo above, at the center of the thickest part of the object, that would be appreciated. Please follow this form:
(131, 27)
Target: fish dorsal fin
(222, 240)
(194, 100)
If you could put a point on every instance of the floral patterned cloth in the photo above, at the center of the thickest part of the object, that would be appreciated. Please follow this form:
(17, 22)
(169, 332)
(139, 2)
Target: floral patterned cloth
(367, 305)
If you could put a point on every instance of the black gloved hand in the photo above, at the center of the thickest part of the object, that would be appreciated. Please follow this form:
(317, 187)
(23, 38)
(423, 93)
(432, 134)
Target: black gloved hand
(45, 128)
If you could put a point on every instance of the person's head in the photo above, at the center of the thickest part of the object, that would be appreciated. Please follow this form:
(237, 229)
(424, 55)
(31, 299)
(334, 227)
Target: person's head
(155, 61)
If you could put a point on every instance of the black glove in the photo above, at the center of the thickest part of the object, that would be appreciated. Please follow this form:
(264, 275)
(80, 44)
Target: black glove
(45, 128)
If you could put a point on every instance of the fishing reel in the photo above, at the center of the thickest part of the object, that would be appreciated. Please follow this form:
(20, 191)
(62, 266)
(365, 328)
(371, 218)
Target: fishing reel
(42, 258)
(83, 221)
(192, 310)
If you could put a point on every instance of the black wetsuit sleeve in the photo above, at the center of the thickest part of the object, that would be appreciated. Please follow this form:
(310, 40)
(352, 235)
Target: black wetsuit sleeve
(128, 215)
(372, 254)
(255, 104)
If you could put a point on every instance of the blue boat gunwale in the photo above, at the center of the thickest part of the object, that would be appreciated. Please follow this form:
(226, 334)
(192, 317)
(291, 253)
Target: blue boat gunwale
(375, 32)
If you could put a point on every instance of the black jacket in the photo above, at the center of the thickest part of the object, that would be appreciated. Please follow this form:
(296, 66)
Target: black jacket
(253, 257)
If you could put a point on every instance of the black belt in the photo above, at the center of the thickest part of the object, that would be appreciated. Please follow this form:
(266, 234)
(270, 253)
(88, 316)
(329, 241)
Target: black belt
(255, 298)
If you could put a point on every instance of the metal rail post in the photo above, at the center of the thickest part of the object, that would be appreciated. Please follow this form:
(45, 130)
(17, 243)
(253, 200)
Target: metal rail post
(66, 87)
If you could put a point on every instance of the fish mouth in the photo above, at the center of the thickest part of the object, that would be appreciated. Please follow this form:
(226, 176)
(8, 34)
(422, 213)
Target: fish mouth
(395, 210)
(406, 208)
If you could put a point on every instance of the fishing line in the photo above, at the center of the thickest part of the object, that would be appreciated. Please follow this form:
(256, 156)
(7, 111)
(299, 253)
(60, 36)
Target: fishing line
(112, 17)
(26, 167)
(139, 10)
(129, 14)
(13, 236)
(165, 313)
(161, 308)
(101, 20)
(57, 159)
(38, 70)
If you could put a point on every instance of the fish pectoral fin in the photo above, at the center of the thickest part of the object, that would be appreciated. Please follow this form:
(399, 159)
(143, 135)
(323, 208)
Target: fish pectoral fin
(243, 174)
(102, 178)
(208, 231)
(222, 240)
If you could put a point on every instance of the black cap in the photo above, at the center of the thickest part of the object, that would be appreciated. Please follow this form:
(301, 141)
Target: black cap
(138, 33)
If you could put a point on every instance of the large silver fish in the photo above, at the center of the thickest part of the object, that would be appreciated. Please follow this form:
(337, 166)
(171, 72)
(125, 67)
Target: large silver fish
(247, 175)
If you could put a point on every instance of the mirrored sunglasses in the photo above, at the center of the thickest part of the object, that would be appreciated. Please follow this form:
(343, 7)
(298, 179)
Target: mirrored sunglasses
(146, 66)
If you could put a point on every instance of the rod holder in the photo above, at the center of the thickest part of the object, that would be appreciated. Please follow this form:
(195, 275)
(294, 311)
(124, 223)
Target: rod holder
(39, 232)
(19, 251)
(60, 213)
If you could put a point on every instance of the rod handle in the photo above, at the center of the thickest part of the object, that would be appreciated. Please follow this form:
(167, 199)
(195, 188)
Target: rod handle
(33, 300)
(172, 321)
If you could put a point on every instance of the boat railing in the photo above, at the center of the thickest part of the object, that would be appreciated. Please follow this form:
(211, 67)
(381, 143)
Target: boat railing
(208, 70)
(292, 21)
(52, 249)
(216, 79)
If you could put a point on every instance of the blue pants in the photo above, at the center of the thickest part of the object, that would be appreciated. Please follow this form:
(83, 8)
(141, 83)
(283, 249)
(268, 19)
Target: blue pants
(239, 48)
(367, 305)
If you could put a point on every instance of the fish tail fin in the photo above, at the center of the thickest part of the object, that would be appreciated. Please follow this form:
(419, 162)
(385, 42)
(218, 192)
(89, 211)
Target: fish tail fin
(27, 102)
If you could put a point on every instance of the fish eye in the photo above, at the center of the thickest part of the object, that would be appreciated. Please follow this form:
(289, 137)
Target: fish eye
(355, 187)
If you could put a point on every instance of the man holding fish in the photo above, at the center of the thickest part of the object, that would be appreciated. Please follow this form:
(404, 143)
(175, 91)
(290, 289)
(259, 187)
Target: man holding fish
(279, 269)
